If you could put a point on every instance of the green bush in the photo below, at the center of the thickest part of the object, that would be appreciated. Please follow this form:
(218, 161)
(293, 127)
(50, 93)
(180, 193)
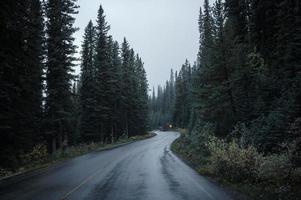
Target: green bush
(294, 146)
(36, 156)
(275, 169)
(4, 172)
(73, 151)
(274, 175)
(233, 163)
(194, 144)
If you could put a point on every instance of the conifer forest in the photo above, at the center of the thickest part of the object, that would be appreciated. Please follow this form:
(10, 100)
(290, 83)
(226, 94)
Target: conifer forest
(233, 114)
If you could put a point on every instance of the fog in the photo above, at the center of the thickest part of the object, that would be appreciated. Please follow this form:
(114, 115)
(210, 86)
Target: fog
(163, 32)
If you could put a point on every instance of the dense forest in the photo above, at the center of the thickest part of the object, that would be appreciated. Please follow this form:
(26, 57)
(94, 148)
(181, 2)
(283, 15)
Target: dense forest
(237, 106)
(161, 104)
(240, 101)
(43, 102)
(247, 74)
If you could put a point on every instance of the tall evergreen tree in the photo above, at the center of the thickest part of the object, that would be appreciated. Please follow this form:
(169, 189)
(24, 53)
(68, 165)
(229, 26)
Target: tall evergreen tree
(33, 81)
(142, 98)
(113, 96)
(103, 77)
(10, 38)
(60, 63)
(132, 101)
(216, 96)
(183, 103)
(20, 78)
(204, 87)
(134, 89)
(126, 86)
(88, 122)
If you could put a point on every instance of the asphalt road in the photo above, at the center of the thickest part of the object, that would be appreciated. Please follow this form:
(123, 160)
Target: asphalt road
(144, 170)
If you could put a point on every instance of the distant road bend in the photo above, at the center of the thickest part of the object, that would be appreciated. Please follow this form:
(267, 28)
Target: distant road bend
(144, 170)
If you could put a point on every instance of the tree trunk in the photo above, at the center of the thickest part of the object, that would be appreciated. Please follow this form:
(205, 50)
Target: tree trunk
(60, 141)
(53, 145)
(127, 128)
(112, 134)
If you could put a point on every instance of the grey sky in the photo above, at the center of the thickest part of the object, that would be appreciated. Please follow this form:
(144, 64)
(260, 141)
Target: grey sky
(163, 32)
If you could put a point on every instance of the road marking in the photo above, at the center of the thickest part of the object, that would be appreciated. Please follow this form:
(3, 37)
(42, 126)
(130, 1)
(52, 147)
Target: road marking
(81, 184)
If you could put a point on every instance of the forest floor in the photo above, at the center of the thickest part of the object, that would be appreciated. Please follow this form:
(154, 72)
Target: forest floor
(69, 153)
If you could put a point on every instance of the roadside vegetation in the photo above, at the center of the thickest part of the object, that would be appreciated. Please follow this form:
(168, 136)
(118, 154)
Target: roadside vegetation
(243, 168)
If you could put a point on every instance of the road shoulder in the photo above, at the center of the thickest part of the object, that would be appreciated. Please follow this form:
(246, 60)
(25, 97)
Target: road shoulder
(43, 168)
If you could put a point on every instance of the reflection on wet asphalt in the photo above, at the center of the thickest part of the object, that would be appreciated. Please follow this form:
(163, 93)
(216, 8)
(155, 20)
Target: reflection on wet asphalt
(144, 170)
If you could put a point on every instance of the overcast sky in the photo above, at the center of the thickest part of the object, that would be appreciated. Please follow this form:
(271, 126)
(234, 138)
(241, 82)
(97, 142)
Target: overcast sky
(163, 32)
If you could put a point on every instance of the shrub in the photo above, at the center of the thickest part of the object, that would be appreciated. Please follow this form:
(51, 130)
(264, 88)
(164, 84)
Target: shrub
(275, 169)
(76, 150)
(274, 174)
(270, 176)
(233, 163)
(36, 156)
(4, 172)
(295, 143)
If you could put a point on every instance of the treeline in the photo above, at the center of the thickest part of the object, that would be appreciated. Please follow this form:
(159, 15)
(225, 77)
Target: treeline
(242, 98)
(247, 74)
(113, 87)
(161, 104)
(42, 102)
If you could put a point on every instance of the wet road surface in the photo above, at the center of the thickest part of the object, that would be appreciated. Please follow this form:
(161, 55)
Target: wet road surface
(144, 170)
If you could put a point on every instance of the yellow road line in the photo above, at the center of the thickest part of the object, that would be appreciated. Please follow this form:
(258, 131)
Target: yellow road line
(81, 184)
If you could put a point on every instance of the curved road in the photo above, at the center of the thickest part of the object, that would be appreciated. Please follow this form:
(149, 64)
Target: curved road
(144, 170)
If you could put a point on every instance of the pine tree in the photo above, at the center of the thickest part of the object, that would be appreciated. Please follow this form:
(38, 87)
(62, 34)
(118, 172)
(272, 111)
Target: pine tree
(263, 26)
(183, 103)
(60, 63)
(238, 13)
(74, 136)
(32, 84)
(206, 22)
(102, 76)
(88, 122)
(132, 102)
(205, 86)
(126, 86)
(218, 90)
(142, 118)
(284, 75)
(10, 36)
(114, 95)
(20, 78)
